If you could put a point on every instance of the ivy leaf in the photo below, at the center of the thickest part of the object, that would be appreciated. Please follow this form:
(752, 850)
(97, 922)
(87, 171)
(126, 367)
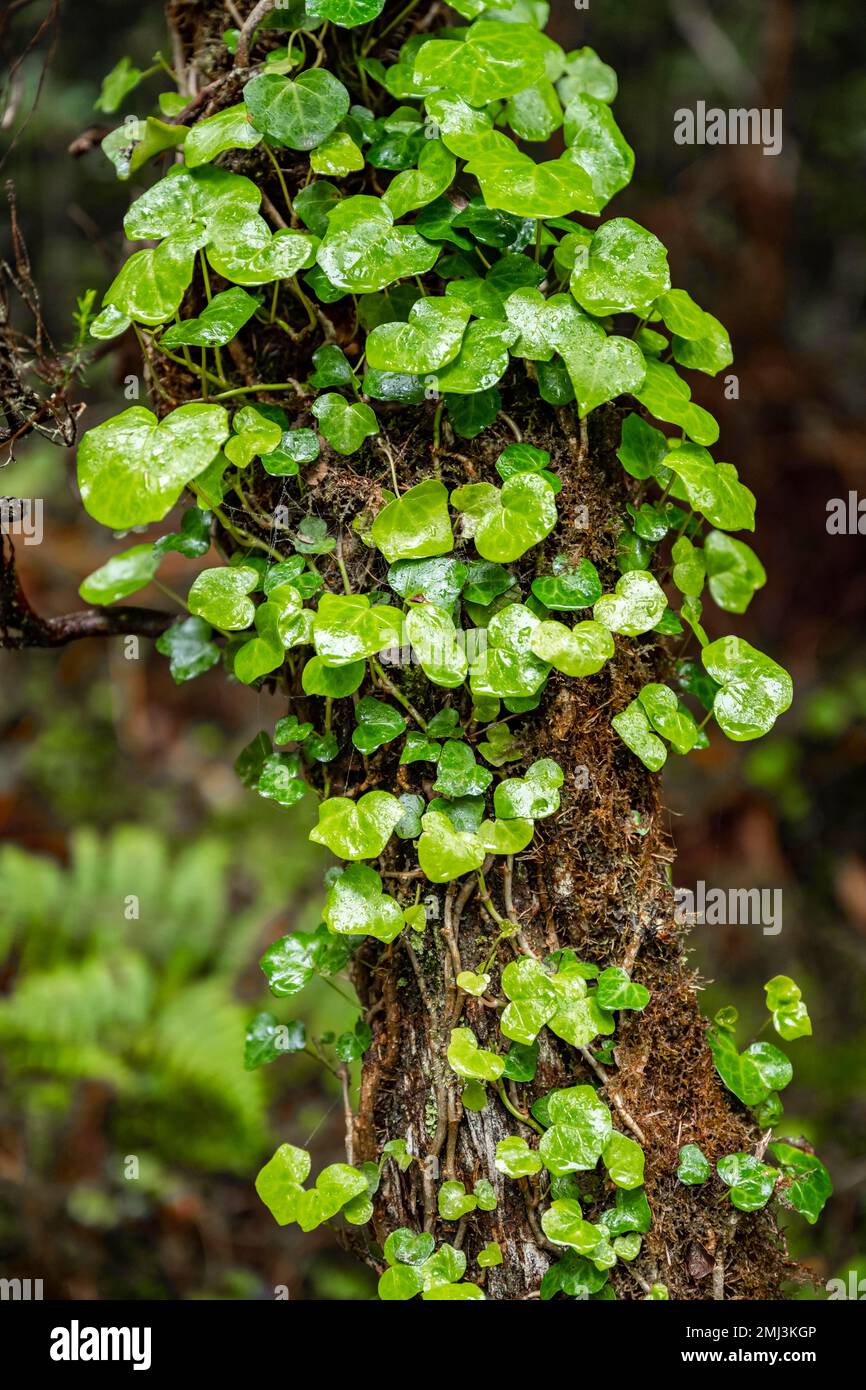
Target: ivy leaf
(133, 468)
(350, 1046)
(356, 906)
(508, 521)
(415, 525)
(532, 1000)
(445, 853)
(810, 1186)
(314, 202)
(297, 113)
(459, 1293)
(221, 596)
(399, 1283)
(267, 1039)
(525, 311)
(253, 434)
(280, 1182)
(357, 829)
(669, 398)
(643, 450)
(751, 1075)
(534, 113)
(563, 1224)
(414, 188)
(754, 690)
(624, 1160)
(626, 270)
(578, 651)
(331, 368)
(668, 717)
(418, 748)
(751, 1182)
(568, 587)
(595, 143)
(431, 338)
(516, 1159)
(121, 576)
(227, 130)
(438, 581)
(378, 724)
(485, 581)
(278, 780)
(404, 1247)
(344, 426)
(458, 774)
(363, 251)
(490, 1256)
(694, 1167)
(689, 570)
(585, 72)
(713, 488)
(453, 1201)
(635, 606)
(580, 1129)
(347, 629)
(616, 990)
(482, 360)
(434, 640)
(600, 366)
(699, 340)
(506, 667)
(531, 797)
(631, 1213)
(785, 1003)
(130, 149)
(470, 1061)
(516, 183)
(151, 284)
(734, 571)
(189, 648)
(521, 1062)
(295, 447)
(347, 14)
(505, 836)
(473, 984)
(492, 61)
(636, 732)
(123, 78)
(337, 154)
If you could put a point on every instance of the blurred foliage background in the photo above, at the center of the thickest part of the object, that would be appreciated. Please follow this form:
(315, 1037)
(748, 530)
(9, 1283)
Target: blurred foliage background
(122, 1035)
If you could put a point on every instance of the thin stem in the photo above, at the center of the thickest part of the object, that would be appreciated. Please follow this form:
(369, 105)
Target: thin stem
(512, 1110)
(279, 173)
(397, 693)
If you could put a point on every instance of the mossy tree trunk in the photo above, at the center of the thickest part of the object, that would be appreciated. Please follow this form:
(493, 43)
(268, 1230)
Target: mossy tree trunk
(597, 875)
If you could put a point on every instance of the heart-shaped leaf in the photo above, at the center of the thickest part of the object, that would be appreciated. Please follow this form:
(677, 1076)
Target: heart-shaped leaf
(435, 642)
(492, 61)
(414, 188)
(624, 1161)
(347, 629)
(120, 576)
(444, 853)
(626, 270)
(568, 587)
(713, 488)
(344, 426)
(356, 906)
(133, 468)
(531, 797)
(734, 571)
(643, 450)
(357, 830)
(431, 338)
(595, 143)
(754, 689)
(751, 1075)
(363, 251)
(453, 1201)
(600, 366)
(216, 324)
(297, 113)
(482, 360)
(513, 181)
(515, 1159)
(227, 130)
(508, 521)
(617, 991)
(669, 398)
(699, 340)
(810, 1184)
(189, 649)
(470, 1061)
(438, 581)
(636, 732)
(415, 525)
(505, 666)
(752, 1182)
(694, 1167)
(457, 772)
(668, 717)
(378, 724)
(578, 651)
(220, 596)
(635, 606)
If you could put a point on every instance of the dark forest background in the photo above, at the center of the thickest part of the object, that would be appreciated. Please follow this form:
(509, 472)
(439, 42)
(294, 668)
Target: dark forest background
(111, 772)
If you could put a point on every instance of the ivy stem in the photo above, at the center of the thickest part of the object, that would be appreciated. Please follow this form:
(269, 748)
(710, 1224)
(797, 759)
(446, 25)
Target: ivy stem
(279, 173)
(397, 693)
(518, 1114)
(260, 386)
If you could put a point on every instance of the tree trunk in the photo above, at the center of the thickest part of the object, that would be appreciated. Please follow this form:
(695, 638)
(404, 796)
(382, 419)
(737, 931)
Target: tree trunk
(596, 877)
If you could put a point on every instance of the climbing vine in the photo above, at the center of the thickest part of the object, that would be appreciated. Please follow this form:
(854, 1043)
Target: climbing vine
(468, 263)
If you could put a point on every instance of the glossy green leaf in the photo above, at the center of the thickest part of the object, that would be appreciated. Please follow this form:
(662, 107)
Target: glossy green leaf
(122, 575)
(431, 338)
(280, 1182)
(438, 581)
(585, 72)
(600, 366)
(626, 270)
(267, 1039)
(578, 651)
(445, 853)
(734, 571)
(221, 596)
(713, 488)
(414, 188)
(515, 1159)
(534, 113)
(405, 1247)
(435, 643)
(377, 724)
(505, 836)
(363, 251)
(399, 1283)
(133, 468)
(668, 717)
(694, 1167)
(635, 606)
(227, 130)
(531, 797)
(348, 629)
(492, 61)
(810, 1184)
(595, 143)
(470, 1061)
(416, 524)
(473, 984)
(356, 906)
(357, 829)
(458, 774)
(751, 1182)
(624, 1160)
(754, 690)
(568, 587)
(337, 154)
(616, 990)
(297, 113)
(344, 425)
(453, 1201)
(636, 732)
(217, 323)
(150, 285)
(482, 360)
(666, 396)
(751, 1075)
(785, 1003)
(189, 648)
(699, 340)
(506, 522)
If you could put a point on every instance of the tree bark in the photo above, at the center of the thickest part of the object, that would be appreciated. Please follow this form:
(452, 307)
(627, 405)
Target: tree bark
(597, 875)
